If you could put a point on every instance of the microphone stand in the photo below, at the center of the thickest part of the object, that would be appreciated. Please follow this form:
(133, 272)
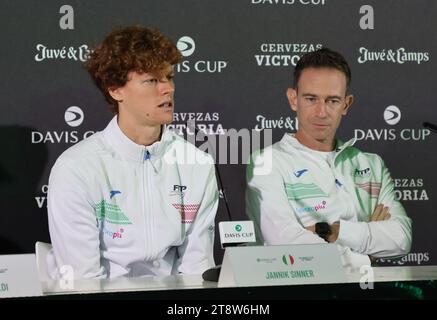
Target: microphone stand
(213, 274)
(221, 188)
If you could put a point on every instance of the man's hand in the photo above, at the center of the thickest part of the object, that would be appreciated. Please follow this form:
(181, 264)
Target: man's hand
(335, 229)
(311, 228)
(380, 213)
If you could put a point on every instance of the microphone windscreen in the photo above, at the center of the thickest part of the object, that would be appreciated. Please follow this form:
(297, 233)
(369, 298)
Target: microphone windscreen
(212, 274)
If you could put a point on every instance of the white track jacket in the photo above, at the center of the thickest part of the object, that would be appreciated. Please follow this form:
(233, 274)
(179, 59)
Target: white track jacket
(116, 208)
(303, 189)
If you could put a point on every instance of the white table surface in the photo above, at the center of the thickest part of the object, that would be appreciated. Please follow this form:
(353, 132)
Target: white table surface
(182, 282)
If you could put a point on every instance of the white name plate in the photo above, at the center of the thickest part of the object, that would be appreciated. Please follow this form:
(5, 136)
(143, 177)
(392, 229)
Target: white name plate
(232, 232)
(19, 276)
(281, 265)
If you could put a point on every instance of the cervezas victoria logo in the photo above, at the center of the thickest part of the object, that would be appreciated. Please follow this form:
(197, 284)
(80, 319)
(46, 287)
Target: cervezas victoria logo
(282, 54)
(410, 189)
(206, 122)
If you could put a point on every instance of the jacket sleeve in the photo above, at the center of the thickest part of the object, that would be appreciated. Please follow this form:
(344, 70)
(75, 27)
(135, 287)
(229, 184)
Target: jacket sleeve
(196, 254)
(380, 238)
(267, 205)
(72, 224)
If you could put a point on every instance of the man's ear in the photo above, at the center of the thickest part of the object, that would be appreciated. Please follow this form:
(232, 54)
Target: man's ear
(292, 98)
(116, 93)
(348, 103)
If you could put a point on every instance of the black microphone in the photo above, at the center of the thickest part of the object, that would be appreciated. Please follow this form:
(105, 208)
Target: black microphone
(430, 126)
(213, 273)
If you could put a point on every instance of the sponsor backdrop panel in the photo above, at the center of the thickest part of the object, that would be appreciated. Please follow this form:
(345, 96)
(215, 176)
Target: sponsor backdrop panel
(238, 58)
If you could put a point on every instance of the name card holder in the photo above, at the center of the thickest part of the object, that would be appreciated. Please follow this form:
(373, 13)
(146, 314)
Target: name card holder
(281, 265)
(19, 276)
(233, 233)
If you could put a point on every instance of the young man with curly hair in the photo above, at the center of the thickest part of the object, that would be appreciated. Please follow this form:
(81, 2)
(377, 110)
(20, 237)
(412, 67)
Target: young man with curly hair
(125, 201)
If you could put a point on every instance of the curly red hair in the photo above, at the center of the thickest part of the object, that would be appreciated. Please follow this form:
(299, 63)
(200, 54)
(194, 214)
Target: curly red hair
(127, 49)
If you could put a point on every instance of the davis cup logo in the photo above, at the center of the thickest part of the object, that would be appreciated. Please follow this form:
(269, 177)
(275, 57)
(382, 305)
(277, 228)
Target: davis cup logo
(288, 259)
(392, 115)
(186, 46)
(74, 116)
